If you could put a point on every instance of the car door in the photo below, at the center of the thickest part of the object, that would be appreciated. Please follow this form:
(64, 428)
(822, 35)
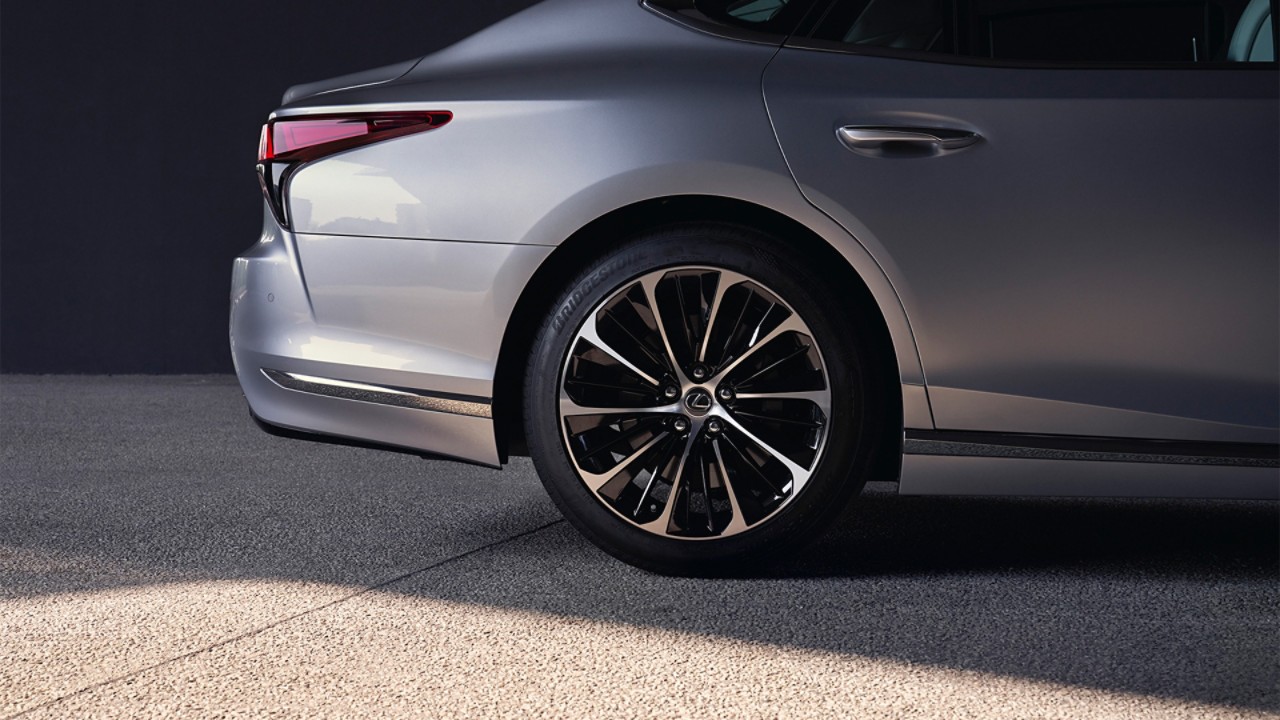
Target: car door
(1076, 201)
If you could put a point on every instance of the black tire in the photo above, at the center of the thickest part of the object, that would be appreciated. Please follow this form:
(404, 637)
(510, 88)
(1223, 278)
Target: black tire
(707, 254)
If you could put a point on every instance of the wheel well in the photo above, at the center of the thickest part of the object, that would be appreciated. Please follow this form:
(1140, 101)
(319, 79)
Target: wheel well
(592, 241)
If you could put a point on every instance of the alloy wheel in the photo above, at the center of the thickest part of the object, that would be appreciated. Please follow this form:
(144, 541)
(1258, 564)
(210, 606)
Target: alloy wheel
(694, 403)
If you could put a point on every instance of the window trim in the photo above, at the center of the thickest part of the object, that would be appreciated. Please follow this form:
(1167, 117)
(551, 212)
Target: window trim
(805, 42)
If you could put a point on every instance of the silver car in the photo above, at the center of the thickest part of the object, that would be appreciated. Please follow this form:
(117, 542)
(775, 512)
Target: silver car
(714, 264)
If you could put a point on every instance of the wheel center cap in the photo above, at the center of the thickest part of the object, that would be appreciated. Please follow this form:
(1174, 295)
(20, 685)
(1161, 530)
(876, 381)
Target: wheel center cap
(698, 401)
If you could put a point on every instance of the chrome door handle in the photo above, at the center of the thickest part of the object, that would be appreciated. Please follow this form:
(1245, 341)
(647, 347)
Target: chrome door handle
(882, 141)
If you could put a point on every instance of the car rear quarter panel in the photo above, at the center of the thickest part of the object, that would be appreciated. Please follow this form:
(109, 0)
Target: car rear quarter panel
(546, 137)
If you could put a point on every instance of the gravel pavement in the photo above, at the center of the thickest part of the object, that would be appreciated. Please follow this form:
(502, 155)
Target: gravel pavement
(161, 556)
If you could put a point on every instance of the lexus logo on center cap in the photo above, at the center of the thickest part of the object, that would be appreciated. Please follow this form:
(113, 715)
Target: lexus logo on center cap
(698, 402)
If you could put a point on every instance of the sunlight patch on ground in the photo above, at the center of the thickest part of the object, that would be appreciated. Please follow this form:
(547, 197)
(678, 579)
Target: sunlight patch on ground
(384, 653)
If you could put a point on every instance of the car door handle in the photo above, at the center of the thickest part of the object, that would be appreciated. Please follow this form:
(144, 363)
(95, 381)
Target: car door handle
(882, 141)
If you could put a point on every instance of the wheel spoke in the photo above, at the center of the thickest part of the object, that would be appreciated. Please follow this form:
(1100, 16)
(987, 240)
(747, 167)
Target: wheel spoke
(737, 523)
(653, 476)
(724, 281)
(663, 522)
(764, 370)
(791, 324)
(818, 397)
(684, 311)
(650, 284)
(569, 408)
(638, 342)
(756, 470)
(622, 438)
(799, 475)
(769, 418)
(623, 389)
(595, 481)
(591, 334)
(706, 495)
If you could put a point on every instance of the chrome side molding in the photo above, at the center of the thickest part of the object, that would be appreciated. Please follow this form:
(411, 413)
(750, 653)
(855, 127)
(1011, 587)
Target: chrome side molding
(382, 394)
(1039, 477)
(959, 443)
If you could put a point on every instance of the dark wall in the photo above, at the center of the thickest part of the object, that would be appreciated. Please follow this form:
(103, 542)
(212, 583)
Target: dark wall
(128, 135)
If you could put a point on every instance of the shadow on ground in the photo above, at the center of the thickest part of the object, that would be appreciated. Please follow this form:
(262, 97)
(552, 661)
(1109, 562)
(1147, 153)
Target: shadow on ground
(110, 483)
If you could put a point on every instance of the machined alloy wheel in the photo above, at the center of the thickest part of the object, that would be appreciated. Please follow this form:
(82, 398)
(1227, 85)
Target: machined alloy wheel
(693, 401)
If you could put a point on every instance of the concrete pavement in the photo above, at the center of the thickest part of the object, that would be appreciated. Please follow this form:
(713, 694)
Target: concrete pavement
(159, 555)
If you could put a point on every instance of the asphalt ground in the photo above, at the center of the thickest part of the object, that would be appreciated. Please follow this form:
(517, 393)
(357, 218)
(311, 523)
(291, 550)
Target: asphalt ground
(161, 556)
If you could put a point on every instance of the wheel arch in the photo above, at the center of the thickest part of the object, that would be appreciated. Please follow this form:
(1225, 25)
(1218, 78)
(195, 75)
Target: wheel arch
(588, 243)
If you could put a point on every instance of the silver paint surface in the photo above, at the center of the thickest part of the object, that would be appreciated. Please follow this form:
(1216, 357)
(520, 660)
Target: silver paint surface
(1103, 262)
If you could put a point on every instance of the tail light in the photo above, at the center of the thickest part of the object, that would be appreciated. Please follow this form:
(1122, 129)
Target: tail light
(287, 143)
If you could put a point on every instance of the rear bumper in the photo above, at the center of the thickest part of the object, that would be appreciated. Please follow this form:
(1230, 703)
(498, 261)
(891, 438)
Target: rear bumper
(300, 375)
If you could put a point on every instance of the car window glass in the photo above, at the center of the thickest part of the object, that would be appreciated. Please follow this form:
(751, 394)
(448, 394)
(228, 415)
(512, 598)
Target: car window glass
(922, 25)
(753, 14)
(1060, 31)
(755, 11)
(767, 17)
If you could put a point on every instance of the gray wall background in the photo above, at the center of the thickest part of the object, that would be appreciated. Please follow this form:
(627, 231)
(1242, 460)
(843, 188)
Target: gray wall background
(128, 136)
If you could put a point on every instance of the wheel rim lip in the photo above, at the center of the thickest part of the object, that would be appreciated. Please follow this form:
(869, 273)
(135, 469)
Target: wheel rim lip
(676, 407)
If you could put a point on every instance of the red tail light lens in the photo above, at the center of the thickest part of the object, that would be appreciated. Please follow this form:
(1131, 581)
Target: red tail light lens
(288, 142)
(264, 143)
(314, 136)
